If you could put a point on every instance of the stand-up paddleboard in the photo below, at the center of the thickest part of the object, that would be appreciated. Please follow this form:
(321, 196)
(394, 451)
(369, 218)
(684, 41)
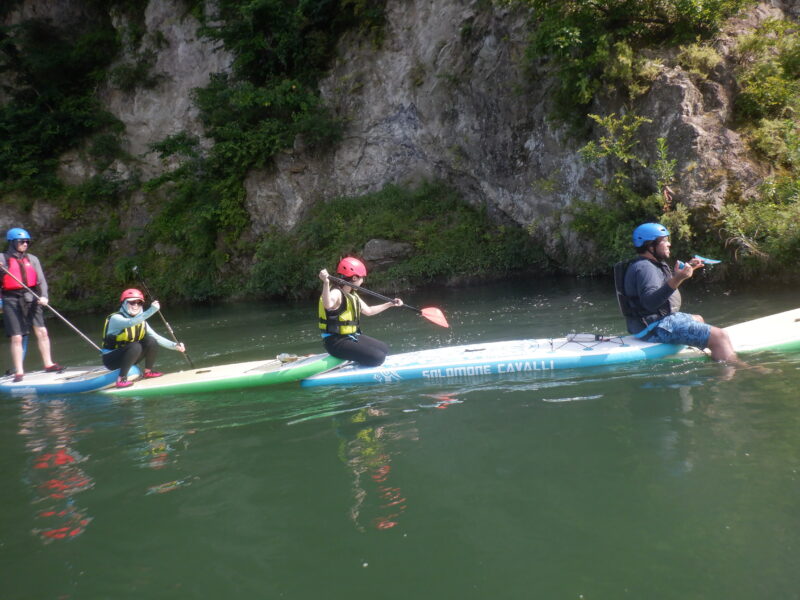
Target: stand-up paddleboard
(777, 332)
(499, 358)
(72, 380)
(233, 376)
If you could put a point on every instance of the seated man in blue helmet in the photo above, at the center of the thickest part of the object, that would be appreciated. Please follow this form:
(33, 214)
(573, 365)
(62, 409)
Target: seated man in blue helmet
(647, 289)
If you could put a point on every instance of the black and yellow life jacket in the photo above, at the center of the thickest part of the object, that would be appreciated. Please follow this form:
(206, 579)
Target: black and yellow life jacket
(126, 336)
(343, 320)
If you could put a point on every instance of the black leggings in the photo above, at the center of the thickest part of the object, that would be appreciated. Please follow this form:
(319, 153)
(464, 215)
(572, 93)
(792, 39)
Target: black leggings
(130, 354)
(364, 350)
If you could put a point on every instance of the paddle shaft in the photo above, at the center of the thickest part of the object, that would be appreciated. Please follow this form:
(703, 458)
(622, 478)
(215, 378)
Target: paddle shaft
(55, 312)
(163, 318)
(371, 293)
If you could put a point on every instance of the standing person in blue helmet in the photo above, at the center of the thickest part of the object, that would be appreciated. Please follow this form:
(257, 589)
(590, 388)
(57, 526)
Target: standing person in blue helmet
(650, 300)
(340, 310)
(21, 309)
(127, 338)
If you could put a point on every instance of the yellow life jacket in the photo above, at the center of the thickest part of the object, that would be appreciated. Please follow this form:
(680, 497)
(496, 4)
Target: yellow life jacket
(126, 336)
(343, 320)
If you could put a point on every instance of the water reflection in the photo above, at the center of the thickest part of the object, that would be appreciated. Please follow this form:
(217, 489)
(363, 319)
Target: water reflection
(367, 446)
(164, 432)
(56, 475)
(441, 401)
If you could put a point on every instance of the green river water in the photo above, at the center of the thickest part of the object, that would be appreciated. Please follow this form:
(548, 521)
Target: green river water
(650, 480)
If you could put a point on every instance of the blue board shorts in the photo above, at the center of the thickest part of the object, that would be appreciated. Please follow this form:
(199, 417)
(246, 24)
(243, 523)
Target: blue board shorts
(680, 328)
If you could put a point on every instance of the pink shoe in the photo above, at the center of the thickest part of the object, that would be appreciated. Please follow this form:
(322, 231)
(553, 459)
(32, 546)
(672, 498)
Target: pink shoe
(152, 374)
(54, 368)
(123, 383)
(18, 377)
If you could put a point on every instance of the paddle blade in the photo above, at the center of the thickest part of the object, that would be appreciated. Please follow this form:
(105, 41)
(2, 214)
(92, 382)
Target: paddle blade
(434, 315)
(708, 261)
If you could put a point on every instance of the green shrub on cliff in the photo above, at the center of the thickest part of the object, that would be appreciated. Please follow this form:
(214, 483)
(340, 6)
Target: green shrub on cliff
(50, 105)
(588, 41)
(609, 219)
(764, 236)
(448, 238)
(763, 232)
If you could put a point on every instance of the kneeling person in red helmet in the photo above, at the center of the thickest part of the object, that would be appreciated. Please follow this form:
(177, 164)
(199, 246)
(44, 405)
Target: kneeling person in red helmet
(340, 309)
(127, 338)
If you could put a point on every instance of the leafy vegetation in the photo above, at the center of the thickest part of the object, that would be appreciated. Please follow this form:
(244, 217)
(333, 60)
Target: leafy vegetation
(699, 59)
(51, 103)
(764, 232)
(448, 238)
(609, 220)
(593, 45)
(136, 73)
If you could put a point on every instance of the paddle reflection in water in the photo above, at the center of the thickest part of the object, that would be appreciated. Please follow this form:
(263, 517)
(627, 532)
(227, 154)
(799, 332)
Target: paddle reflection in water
(56, 475)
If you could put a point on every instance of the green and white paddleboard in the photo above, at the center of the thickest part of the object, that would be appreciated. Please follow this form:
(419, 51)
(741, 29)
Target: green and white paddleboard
(228, 377)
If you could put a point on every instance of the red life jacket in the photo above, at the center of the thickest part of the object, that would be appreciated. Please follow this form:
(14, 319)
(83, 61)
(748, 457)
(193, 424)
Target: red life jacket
(22, 270)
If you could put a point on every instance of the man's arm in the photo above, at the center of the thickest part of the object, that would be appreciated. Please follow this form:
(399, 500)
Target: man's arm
(40, 278)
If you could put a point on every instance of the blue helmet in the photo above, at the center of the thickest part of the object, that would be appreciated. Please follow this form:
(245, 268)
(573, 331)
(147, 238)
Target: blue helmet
(17, 233)
(647, 233)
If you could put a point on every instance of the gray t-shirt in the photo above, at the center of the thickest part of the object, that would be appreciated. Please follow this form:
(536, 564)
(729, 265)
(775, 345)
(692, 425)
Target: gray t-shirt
(647, 289)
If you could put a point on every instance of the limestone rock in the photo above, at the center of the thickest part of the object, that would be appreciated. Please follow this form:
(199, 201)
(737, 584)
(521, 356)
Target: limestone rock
(184, 61)
(382, 253)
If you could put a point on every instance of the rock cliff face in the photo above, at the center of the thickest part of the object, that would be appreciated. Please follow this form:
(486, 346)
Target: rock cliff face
(183, 61)
(444, 97)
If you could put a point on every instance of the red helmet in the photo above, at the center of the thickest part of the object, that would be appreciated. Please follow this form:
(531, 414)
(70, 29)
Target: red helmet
(132, 293)
(350, 267)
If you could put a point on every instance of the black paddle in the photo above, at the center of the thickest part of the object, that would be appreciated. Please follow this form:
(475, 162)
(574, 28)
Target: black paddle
(167, 325)
(434, 315)
(55, 312)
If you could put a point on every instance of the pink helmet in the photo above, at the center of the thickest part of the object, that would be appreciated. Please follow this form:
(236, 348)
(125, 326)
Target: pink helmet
(350, 267)
(131, 294)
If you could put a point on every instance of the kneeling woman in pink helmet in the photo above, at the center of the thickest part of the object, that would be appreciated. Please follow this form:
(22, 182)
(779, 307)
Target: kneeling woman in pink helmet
(127, 338)
(340, 310)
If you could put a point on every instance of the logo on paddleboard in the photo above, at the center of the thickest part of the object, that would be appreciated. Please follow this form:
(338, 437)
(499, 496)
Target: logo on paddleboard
(387, 376)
